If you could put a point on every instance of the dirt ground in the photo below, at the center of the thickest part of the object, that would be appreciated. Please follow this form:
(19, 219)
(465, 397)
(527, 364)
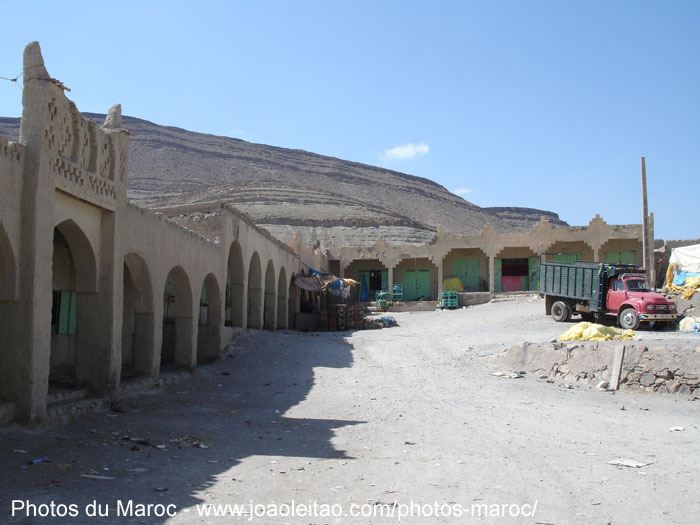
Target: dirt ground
(404, 424)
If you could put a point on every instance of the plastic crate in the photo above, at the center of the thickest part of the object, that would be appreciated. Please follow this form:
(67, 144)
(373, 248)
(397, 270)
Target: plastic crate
(449, 299)
(382, 298)
(397, 293)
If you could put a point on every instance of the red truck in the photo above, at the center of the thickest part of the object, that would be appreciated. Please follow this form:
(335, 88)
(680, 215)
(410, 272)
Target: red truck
(597, 291)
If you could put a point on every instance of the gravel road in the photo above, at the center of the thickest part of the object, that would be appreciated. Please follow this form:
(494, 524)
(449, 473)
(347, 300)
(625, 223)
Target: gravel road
(372, 426)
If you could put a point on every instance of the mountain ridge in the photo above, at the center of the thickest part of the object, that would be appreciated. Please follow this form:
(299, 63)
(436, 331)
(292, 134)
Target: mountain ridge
(330, 200)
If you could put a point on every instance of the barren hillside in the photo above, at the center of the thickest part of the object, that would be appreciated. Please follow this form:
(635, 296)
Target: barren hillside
(284, 190)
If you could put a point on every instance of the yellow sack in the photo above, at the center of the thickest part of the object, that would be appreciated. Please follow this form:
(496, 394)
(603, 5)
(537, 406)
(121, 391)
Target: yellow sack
(691, 285)
(595, 332)
(453, 284)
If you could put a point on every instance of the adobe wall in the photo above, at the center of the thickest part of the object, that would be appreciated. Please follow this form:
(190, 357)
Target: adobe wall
(140, 291)
(593, 241)
(11, 168)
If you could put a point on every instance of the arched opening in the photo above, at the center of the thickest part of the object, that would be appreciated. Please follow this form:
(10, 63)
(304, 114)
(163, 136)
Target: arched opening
(8, 269)
(470, 266)
(372, 275)
(138, 321)
(209, 331)
(74, 286)
(516, 269)
(622, 251)
(270, 322)
(569, 251)
(255, 291)
(293, 303)
(235, 287)
(418, 278)
(178, 330)
(282, 300)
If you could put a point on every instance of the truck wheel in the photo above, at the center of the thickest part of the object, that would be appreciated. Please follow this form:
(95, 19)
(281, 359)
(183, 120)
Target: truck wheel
(629, 319)
(561, 312)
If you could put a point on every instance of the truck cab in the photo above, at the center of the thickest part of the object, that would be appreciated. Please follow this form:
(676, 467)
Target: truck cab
(630, 299)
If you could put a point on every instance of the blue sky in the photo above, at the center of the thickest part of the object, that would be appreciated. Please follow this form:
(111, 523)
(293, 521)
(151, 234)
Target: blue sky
(543, 104)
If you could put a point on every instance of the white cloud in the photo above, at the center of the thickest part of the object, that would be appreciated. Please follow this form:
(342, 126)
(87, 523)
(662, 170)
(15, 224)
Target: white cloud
(462, 191)
(407, 151)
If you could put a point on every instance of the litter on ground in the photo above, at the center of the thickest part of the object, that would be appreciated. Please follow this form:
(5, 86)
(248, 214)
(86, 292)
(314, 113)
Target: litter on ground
(689, 324)
(627, 463)
(508, 375)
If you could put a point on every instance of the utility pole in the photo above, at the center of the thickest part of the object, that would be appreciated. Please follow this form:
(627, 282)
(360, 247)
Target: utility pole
(647, 261)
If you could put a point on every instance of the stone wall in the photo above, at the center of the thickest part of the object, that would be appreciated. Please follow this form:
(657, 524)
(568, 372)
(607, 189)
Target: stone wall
(605, 364)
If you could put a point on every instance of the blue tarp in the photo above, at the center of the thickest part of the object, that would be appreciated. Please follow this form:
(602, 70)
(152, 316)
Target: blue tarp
(364, 289)
(329, 283)
(679, 279)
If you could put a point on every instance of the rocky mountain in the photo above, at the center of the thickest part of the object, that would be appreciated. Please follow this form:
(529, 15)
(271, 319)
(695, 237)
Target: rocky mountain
(284, 190)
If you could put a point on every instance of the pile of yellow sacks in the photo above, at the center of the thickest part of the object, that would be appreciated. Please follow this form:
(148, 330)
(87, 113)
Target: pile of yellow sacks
(595, 332)
(689, 287)
(454, 284)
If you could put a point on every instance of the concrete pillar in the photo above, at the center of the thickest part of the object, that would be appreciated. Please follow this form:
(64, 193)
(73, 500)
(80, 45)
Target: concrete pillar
(100, 317)
(492, 273)
(390, 283)
(144, 356)
(282, 317)
(238, 301)
(209, 342)
(270, 317)
(185, 339)
(440, 278)
(255, 307)
(596, 255)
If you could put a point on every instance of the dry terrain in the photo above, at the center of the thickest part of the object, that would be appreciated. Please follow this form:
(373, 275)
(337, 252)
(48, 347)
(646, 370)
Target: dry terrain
(406, 418)
(284, 190)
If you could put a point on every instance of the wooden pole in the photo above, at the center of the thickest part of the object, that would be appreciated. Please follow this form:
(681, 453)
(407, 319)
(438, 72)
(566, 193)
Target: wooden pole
(652, 257)
(645, 238)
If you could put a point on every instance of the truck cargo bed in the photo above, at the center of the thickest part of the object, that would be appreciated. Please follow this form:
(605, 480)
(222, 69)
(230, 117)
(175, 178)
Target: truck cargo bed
(580, 281)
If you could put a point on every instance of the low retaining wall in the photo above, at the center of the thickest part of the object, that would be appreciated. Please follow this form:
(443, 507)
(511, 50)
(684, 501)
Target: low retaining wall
(661, 369)
(472, 298)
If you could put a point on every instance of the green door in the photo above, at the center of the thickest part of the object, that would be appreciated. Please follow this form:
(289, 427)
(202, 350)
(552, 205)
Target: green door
(385, 280)
(620, 258)
(468, 272)
(409, 285)
(566, 257)
(416, 283)
(498, 275)
(533, 270)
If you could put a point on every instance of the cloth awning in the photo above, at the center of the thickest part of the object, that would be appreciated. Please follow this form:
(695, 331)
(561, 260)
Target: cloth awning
(686, 258)
(322, 282)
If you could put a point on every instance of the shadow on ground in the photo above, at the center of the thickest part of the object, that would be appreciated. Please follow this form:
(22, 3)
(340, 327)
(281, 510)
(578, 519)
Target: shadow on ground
(181, 440)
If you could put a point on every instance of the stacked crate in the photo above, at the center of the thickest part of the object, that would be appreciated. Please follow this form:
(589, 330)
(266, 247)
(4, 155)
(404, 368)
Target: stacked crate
(341, 317)
(382, 298)
(449, 299)
(336, 317)
(355, 317)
